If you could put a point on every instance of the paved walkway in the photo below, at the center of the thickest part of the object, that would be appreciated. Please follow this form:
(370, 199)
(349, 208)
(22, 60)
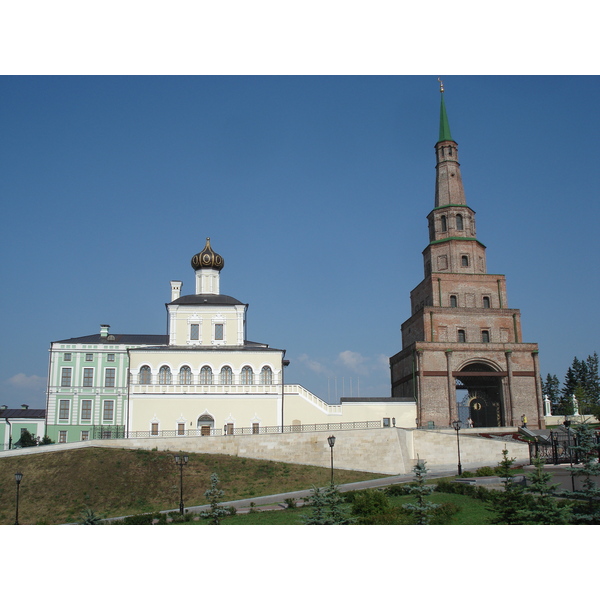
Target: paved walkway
(277, 501)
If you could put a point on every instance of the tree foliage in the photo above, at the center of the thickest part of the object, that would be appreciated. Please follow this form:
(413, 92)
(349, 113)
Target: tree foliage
(508, 507)
(421, 509)
(544, 508)
(586, 509)
(327, 508)
(213, 495)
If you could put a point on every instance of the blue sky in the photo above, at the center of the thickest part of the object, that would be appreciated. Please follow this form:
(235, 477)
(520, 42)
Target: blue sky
(314, 189)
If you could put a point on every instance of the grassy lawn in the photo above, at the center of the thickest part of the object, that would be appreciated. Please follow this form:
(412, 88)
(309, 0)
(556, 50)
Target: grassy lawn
(58, 486)
(472, 512)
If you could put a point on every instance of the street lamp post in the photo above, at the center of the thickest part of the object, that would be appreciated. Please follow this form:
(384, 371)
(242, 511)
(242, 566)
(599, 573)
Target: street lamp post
(181, 460)
(284, 364)
(457, 425)
(18, 477)
(331, 442)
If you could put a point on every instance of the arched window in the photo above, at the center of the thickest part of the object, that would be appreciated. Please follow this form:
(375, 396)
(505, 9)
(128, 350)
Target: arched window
(226, 376)
(453, 301)
(145, 375)
(464, 260)
(266, 376)
(206, 375)
(444, 224)
(247, 376)
(185, 376)
(486, 302)
(164, 375)
(485, 336)
(459, 222)
(461, 335)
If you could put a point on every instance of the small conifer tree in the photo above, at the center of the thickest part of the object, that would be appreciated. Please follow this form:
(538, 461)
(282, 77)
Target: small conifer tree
(327, 507)
(213, 495)
(544, 510)
(508, 506)
(421, 509)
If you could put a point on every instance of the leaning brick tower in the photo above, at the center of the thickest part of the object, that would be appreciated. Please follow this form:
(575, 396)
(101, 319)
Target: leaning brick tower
(462, 345)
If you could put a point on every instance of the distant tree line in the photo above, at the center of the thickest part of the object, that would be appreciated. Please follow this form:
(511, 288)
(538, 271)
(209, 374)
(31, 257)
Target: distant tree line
(582, 381)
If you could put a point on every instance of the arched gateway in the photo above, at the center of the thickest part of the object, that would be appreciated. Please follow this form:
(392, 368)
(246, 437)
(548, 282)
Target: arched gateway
(485, 399)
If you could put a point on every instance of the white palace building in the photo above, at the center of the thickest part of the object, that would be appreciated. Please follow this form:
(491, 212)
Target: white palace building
(202, 378)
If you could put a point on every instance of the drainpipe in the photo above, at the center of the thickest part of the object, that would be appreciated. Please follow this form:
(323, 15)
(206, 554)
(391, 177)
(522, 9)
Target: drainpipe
(9, 432)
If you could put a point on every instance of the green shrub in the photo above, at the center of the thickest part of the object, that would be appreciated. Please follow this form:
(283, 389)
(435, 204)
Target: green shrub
(143, 519)
(370, 502)
(485, 472)
(398, 490)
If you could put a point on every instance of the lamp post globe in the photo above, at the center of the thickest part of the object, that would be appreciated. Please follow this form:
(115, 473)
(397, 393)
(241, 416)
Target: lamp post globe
(18, 478)
(331, 442)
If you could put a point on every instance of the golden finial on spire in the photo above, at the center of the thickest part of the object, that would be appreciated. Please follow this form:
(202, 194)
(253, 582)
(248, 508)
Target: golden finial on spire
(441, 85)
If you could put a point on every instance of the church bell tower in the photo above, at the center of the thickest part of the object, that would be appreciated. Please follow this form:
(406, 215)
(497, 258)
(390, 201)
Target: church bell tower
(462, 350)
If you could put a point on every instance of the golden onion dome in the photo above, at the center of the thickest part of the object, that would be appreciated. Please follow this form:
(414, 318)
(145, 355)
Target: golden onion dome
(207, 259)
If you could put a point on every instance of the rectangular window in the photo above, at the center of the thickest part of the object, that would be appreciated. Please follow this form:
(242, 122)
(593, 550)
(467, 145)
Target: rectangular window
(110, 358)
(63, 411)
(462, 337)
(62, 437)
(67, 357)
(386, 421)
(88, 377)
(180, 428)
(109, 378)
(255, 427)
(65, 377)
(229, 428)
(219, 331)
(485, 336)
(109, 408)
(486, 302)
(154, 429)
(89, 357)
(86, 410)
(85, 436)
(194, 331)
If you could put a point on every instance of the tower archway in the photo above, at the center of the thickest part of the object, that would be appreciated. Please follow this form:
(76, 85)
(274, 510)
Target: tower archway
(484, 398)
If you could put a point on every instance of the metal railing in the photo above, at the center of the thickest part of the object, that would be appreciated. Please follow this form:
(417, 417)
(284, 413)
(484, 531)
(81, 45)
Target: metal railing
(257, 430)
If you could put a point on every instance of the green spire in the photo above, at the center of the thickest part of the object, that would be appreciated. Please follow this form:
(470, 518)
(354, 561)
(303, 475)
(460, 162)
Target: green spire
(445, 134)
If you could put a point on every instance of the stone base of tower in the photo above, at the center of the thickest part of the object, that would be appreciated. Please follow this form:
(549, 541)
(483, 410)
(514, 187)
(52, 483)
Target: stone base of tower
(494, 385)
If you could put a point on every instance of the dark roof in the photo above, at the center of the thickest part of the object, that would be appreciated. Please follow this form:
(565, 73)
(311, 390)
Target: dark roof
(201, 299)
(23, 413)
(118, 338)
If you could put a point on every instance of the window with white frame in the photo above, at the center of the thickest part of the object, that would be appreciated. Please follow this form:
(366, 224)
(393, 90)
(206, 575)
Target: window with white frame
(89, 357)
(194, 331)
(145, 375)
(153, 428)
(63, 409)
(108, 410)
(206, 375)
(185, 375)
(67, 357)
(110, 358)
(88, 377)
(65, 377)
(86, 410)
(109, 377)
(219, 331)
(164, 375)
(266, 376)
(247, 376)
(226, 376)
(180, 428)
(62, 437)
(85, 436)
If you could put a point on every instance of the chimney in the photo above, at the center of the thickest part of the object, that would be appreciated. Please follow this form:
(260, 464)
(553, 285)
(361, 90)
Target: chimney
(175, 290)
(3, 407)
(104, 331)
(24, 406)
